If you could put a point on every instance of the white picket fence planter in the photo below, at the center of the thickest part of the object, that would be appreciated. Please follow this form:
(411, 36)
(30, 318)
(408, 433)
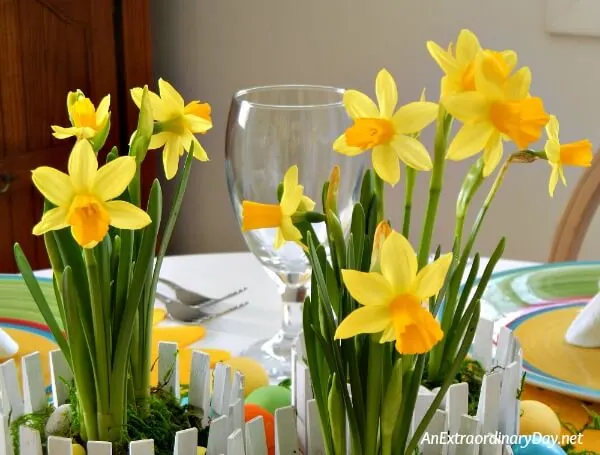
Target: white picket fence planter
(498, 411)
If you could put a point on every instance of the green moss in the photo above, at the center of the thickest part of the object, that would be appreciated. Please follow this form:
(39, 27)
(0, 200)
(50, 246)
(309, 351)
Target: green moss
(471, 372)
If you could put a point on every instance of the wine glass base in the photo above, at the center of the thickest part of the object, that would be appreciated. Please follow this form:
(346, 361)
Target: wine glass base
(274, 355)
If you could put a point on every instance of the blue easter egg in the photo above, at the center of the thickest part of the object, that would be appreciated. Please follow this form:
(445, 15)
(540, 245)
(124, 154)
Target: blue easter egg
(537, 445)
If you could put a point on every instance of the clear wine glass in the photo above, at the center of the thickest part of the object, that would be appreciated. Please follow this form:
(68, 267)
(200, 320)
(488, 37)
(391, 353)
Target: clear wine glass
(270, 129)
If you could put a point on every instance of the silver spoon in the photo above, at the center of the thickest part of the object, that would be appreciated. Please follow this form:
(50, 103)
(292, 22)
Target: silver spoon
(195, 298)
(186, 313)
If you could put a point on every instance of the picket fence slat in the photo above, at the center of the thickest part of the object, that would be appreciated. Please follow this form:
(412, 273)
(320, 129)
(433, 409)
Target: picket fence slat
(230, 435)
(483, 344)
(11, 392)
(34, 394)
(235, 443)
(30, 441)
(60, 446)
(168, 367)
(186, 442)
(199, 391)
(61, 377)
(143, 447)
(100, 448)
(256, 441)
(285, 424)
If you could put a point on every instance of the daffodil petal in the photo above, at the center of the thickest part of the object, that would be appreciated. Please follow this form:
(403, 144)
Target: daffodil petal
(492, 155)
(446, 62)
(386, 164)
(517, 86)
(366, 319)
(359, 105)
(412, 152)
(197, 124)
(387, 93)
(553, 179)
(430, 278)
(112, 179)
(53, 184)
(510, 58)
(82, 166)
(156, 104)
(398, 262)
(562, 175)
(60, 132)
(468, 107)
(552, 128)
(489, 77)
(340, 145)
(469, 140)
(388, 335)
(102, 110)
(413, 117)
(467, 47)
(290, 232)
(552, 149)
(124, 215)
(367, 288)
(199, 152)
(279, 239)
(171, 154)
(52, 220)
(158, 140)
(169, 95)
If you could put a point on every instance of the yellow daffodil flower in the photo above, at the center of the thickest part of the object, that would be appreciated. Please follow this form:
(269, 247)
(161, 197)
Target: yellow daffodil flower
(573, 154)
(86, 120)
(83, 198)
(459, 66)
(500, 109)
(394, 300)
(177, 124)
(258, 216)
(384, 131)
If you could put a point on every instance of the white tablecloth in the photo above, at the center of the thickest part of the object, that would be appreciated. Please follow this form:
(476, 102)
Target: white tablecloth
(217, 274)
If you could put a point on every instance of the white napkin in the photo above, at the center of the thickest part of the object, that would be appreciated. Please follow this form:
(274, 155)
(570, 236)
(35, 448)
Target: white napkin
(8, 346)
(584, 331)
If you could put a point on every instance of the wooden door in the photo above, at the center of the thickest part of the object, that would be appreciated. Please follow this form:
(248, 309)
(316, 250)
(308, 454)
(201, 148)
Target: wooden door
(48, 47)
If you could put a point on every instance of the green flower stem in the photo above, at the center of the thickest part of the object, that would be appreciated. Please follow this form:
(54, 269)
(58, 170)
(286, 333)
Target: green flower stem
(444, 123)
(411, 178)
(142, 376)
(379, 191)
(374, 391)
(413, 380)
(391, 406)
(100, 343)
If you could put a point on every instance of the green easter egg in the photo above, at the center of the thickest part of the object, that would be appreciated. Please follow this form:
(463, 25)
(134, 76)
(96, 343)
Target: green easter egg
(270, 397)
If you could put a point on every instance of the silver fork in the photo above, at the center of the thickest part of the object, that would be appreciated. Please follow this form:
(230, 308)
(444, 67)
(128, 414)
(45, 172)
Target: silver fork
(193, 298)
(186, 313)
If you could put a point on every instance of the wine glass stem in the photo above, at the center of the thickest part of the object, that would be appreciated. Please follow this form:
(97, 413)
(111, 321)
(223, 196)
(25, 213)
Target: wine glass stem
(293, 301)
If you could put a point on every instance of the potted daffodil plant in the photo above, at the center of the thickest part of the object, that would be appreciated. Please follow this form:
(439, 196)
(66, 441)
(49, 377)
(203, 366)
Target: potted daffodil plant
(385, 317)
(103, 244)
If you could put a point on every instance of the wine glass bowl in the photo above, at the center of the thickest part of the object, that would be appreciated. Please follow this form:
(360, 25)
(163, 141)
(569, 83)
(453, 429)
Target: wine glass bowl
(269, 130)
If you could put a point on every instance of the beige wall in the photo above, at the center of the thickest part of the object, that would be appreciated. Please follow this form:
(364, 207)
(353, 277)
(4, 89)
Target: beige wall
(210, 48)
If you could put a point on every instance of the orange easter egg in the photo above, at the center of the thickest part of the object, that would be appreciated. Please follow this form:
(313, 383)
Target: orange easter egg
(252, 411)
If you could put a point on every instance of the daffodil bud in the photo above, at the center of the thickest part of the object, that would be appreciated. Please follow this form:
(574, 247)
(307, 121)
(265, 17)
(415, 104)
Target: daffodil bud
(332, 190)
(381, 233)
(337, 416)
(72, 98)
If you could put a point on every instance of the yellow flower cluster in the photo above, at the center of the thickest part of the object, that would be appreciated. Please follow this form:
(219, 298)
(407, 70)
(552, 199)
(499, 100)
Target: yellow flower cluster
(84, 198)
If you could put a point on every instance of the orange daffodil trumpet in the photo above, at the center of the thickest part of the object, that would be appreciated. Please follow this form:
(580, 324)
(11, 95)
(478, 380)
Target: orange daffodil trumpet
(500, 109)
(256, 215)
(572, 154)
(386, 131)
(393, 300)
(176, 125)
(83, 198)
(86, 120)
